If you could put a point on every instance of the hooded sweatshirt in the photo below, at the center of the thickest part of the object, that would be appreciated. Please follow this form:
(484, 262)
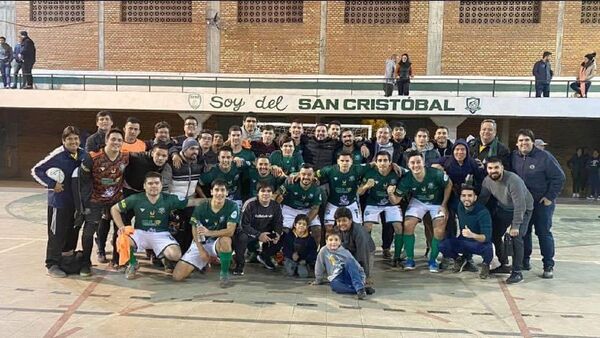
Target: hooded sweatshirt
(458, 172)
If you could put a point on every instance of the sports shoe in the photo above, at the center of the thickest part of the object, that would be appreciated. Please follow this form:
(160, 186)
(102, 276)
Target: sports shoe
(361, 294)
(470, 266)
(85, 271)
(238, 271)
(515, 277)
(459, 264)
(444, 264)
(434, 267)
(131, 270)
(548, 273)
(225, 282)
(266, 262)
(396, 262)
(369, 290)
(410, 264)
(485, 271)
(387, 254)
(102, 258)
(55, 272)
(501, 269)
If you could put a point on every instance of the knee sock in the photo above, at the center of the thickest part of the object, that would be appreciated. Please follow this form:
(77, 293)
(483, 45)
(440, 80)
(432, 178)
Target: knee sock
(434, 249)
(225, 258)
(132, 258)
(409, 245)
(398, 243)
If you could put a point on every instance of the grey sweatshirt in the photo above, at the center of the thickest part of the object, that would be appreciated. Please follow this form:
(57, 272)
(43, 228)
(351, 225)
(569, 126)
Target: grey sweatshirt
(330, 264)
(511, 193)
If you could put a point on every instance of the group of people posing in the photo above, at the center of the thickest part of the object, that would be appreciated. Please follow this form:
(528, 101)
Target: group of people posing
(276, 199)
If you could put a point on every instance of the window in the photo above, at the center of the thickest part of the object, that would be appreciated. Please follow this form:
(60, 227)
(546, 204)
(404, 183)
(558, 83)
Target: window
(57, 11)
(500, 12)
(590, 12)
(376, 12)
(156, 11)
(270, 11)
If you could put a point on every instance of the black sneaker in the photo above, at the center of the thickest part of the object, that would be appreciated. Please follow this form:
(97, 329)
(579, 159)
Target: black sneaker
(459, 264)
(501, 269)
(266, 262)
(387, 254)
(85, 271)
(102, 258)
(238, 271)
(485, 271)
(396, 262)
(548, 273)
(470, 266)
(361, 294)
(369, 290)
(55, 272)
(515, 277)
(526, 266)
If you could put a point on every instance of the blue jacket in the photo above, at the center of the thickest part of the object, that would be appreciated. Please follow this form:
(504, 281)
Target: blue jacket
(542, 71)
(541, 173)
(478, 220)
(59, 158)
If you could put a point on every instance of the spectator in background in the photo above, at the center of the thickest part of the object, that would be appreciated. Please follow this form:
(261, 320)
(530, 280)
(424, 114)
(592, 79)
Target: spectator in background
(403, 75)
(217, 142)
(399, 135)
(577, 165)
(95, 141)
(585, 75)
(6, 56)
(390, 68)
(190, 129)
(542, 70)
(593, 171)
(17, 63)
(266, 145)
(334, 129)
(28, 57)
(250, 131)
(442, 144)
(540, 144)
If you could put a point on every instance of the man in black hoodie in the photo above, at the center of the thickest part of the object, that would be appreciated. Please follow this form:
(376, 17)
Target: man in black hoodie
(28, 57)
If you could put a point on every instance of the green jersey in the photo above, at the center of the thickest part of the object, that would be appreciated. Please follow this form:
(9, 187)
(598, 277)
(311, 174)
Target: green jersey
(378, 195)
(231, 178)
(342, 187)
(152, 217)
(429, 191)
(289, 165)
(254, 177)
(296, 197)
(357, 157)
(205, 216)
(247, 155)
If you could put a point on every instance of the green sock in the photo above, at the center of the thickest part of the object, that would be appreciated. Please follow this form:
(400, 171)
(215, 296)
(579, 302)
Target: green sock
(132, 258)
(398, 243)
(409, 245)
(225, 258)
(434, 249)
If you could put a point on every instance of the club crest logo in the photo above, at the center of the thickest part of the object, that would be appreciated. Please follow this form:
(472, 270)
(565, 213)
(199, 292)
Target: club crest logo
(195, 100)
(473, 104)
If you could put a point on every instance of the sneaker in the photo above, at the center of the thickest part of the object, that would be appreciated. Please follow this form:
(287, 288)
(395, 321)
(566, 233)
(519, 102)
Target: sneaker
(574, 196)
(361, 294)
(470, 266)
(238, 271)
(445, 263)
(102, 258)
(590, 197)
(55, 272)
(169, 266)
(410, 264)
(85, 271)
(131, 270)
(396, 262)
(459, 264)
(266, 262)
(369, 290)
(485, 271)
(548, 273)
(225, 282)
(501, 269)
(515, 277)
(434, 267)
(387, 254)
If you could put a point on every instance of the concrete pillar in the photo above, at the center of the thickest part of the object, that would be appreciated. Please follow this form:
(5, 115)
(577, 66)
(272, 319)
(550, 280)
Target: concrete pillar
(213, 37)
(450, 122)
(323, 38)
(8, 18)
(101, 63)
(559, 38)
(435, 32)
(200, 117)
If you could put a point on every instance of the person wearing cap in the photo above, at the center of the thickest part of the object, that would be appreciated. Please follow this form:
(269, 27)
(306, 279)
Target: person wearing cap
(542, 70)
(183, 182)
(28, 57)
(544, 178)
(540, 144)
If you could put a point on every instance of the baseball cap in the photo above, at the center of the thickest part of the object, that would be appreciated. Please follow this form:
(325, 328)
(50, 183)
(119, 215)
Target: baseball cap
(540, 142)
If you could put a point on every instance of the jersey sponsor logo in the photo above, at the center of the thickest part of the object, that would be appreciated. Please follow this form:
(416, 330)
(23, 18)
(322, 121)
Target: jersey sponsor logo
(161, 210)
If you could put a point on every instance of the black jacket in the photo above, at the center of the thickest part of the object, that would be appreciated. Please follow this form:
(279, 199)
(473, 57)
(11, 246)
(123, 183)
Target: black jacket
(501, 152)
(320, 153)
(95, 141)
(398, 151)
(135, 173)
(28, 50)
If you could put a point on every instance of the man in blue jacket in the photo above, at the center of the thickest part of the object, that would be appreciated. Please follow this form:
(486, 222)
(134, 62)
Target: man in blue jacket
(544, 178)
(54, 172)
(542, 71)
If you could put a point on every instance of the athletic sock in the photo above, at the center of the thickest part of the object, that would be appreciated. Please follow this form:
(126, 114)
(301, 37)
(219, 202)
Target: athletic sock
(409, 245)
(132, 258)
(434, 249)
(398, 243)
(225, 258)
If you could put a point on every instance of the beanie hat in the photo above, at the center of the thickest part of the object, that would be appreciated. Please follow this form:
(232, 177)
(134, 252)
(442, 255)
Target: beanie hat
(188, 143)
(590, 56)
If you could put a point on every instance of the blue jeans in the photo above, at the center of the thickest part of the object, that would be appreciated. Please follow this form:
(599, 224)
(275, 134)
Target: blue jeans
(350, 280)
(541, 220)
(542, 88)
(5, 69)
(577, 87)
(451, 247)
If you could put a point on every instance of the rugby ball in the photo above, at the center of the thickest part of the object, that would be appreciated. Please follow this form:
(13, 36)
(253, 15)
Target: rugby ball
(56, 174)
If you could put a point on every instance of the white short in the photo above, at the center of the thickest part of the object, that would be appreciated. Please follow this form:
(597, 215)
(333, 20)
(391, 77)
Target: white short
(192, 256)
(393, 213)
(330, 212)
(155, 241)
(418, 210)
(289, 214)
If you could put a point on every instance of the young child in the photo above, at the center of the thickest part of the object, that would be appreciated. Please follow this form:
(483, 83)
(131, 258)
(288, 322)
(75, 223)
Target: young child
(341, 269)
(299, 248)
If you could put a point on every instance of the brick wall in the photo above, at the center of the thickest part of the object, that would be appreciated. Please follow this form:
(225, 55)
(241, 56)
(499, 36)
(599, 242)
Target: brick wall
(578, 39)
